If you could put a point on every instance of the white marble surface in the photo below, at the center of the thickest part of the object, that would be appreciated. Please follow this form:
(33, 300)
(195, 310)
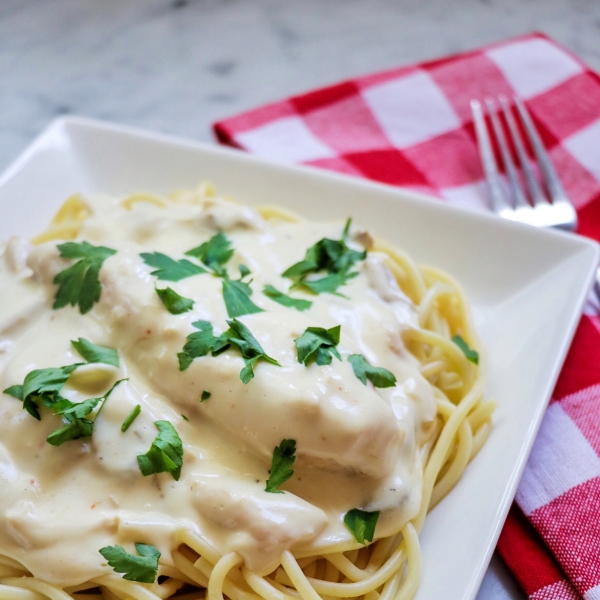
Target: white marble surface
(176, 66)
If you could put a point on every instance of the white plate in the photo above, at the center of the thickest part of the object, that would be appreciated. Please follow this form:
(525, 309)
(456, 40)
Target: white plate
(527, 289)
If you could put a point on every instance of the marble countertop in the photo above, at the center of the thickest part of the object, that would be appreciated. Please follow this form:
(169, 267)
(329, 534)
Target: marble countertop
(176, 66)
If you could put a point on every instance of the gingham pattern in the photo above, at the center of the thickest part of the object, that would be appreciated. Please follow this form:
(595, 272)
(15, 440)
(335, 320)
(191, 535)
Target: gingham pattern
(412, 126)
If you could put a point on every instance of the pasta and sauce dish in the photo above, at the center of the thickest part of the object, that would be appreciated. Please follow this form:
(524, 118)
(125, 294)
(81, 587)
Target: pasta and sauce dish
(205, 399)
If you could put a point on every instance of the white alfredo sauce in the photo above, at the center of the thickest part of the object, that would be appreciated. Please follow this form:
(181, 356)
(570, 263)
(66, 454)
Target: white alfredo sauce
(357, 446)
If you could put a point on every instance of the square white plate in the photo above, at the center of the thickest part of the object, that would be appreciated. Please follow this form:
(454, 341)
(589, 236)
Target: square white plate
(527, 288)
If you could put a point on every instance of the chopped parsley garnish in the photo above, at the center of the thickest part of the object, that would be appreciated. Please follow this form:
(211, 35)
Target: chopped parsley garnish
(205, 396)
(75, 413)
(214, 253)
(283, 458)
(471, 355)
(271, 292)
(378, 376)
(96, 354)
(318, 344)
(200, 343)
(143, 568)
(331, 256)
(78, 285)
(239, 335)
(236, 294)
(330, 283)
(173, 302)
(203, 342)
(41, 385)
(362, 524)
(168, 269)
(131, 417)
(165, 454)
(184, 417)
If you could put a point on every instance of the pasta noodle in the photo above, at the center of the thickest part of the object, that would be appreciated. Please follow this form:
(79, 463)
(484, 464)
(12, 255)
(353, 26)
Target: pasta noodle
(387, 568)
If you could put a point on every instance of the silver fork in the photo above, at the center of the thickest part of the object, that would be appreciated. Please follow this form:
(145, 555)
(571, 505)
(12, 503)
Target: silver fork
(537, 208)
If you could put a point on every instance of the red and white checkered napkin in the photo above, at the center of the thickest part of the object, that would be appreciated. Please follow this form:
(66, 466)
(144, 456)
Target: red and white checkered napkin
(412, 126)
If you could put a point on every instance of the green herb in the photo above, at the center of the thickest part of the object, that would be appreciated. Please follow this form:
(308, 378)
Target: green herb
(73, 430)
(143, 568)
(184, 417)
(168, 269)
(74, 414)
(318, 344)
(271, 292)
(79, 285)
(16, 391)
(236, 295)
(471, 355)
(378, 376)
(165, 454)
(214, 253)
(239, 335)
(173, 302)
(205, 396)
(328, 284)
(96, 354)
(204, 342)
(131, 417)
(41, 385)
(283, 458)
(332, 256)
(199, 343)
(362, 524)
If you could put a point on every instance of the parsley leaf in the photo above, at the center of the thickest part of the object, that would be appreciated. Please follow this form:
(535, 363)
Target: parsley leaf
(173, 302)
(78, 285)
(214, 253)
(75, 413)
(205, 396)
(143, 568)
(239, 335)
(74, 430)
(271, 292)
(472, 355)
(16, 391)
(362, 524)
(332, 256)
(96, 354)
(41, 385)
(283, 458)
(318, 344)
(131, 417)
(165, 454)
(203, 342)
(378, 376)
(168, 269)
(237, 298)
(328, 284)
(199, 343)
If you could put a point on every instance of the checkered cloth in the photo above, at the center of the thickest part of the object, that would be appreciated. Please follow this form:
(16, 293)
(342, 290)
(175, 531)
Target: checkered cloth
(412, 127)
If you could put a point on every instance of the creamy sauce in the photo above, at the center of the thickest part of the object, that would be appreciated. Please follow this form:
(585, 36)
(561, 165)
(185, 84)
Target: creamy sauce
(357, 446)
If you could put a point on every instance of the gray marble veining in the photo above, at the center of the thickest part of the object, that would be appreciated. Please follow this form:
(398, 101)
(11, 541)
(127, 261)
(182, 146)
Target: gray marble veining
(176, 66)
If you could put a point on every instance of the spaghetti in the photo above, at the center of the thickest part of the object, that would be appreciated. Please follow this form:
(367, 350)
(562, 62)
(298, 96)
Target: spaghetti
(310, 565)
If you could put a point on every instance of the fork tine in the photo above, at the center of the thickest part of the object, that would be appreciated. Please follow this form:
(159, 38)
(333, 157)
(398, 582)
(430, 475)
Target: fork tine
(515, 185)
(551, 180)
(537, 195)
(499, 202)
